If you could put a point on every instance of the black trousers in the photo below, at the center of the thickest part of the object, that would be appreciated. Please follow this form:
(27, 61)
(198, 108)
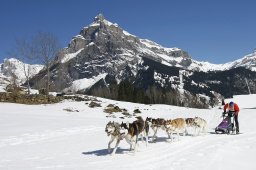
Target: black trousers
(230, 114)
(236, 121)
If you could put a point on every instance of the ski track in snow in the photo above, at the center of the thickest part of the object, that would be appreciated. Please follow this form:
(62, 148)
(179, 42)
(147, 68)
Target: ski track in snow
(183, 154)
(47, 135)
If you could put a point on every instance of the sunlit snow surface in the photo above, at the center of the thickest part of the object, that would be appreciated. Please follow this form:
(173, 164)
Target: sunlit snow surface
(48, 137)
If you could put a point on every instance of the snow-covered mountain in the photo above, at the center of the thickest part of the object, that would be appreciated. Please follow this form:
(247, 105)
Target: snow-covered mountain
(104, 55)
(13, 67)
(137, 47)
(248, 61)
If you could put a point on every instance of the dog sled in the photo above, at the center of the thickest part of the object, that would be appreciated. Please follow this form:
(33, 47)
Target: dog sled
(226, 127)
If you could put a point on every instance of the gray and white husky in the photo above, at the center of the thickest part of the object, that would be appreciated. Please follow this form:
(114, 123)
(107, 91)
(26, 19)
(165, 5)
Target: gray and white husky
(113, 129)
(201, 125)
(190, 122)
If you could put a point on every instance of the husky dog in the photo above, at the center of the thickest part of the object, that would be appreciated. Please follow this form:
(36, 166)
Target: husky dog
(131, 131)
(155, 124)
(201, 124)
(190, 122)
(113, 129)
(176, 126)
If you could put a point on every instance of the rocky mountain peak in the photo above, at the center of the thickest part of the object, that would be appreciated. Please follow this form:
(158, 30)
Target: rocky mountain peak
(111, 39)
(99, 18)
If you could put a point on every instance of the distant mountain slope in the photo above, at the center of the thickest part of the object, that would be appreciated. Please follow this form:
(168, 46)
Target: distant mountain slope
(13, 67)
(248, 61)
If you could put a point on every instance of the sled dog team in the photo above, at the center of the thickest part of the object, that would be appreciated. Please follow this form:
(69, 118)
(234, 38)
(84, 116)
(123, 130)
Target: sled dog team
(131, 131)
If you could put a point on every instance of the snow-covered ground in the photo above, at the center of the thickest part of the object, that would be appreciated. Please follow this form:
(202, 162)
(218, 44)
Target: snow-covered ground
(48, 137)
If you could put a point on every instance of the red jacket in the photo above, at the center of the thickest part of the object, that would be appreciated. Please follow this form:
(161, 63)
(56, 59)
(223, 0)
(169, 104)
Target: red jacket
(236, 108)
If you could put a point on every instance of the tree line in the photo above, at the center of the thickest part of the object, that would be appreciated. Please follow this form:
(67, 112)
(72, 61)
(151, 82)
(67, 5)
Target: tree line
(125, 91)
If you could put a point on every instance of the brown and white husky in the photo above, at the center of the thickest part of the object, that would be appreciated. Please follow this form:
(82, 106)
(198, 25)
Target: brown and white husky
(131, 132)
(176, 126)
(156, 124)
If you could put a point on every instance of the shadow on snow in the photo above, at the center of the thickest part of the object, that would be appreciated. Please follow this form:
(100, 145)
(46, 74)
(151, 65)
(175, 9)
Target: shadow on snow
(104, 152)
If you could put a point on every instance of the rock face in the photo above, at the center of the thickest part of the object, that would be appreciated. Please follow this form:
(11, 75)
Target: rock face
(104, 47)
(105, 60)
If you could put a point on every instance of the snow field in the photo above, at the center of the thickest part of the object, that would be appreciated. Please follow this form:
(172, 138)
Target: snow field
(47, 137)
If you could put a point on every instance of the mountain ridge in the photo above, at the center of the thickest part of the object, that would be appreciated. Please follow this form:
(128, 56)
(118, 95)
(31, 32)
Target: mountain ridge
(168, 56)
(107, 61)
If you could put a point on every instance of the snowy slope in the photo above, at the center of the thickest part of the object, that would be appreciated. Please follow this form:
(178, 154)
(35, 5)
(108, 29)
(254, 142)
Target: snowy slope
(83, 84)
(68, 57)
(47, 137)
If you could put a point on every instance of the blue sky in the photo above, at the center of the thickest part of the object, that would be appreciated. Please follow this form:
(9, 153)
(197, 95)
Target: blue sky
(217, 31)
